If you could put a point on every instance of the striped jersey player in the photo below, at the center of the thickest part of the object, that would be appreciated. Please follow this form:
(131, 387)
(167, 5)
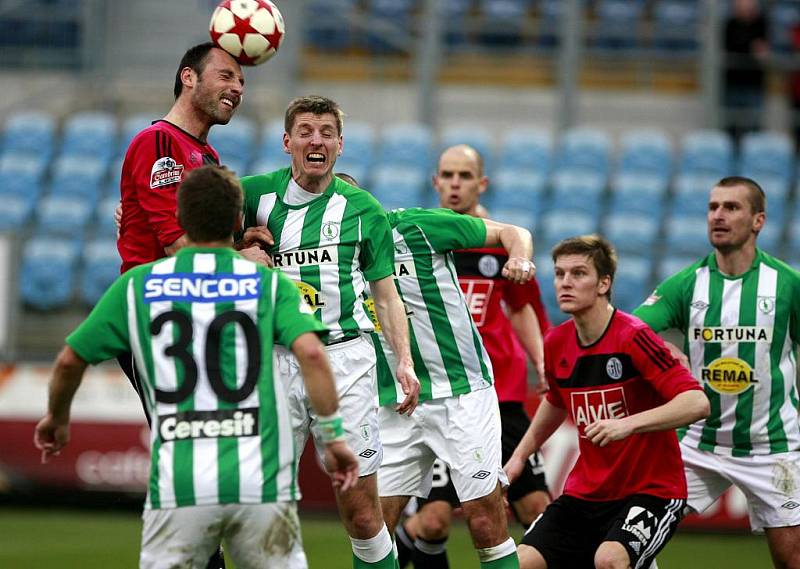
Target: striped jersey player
(458, 418)
(739, 311)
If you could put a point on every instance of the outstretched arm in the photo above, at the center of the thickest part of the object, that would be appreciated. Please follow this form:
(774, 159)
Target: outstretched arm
(519, 243)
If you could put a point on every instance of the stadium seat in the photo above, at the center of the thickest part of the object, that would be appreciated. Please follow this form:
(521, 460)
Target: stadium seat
(584, 148)
(64, 215)
(234, 141)
(707, 152)
(672, 263)
(454, 20)
(638, 192)
(767, 153)
(692, 193)
(617, 23)
(359, 143)
(21, 173)
(513, 188)
(777, 189)
(15, 211)
(30, 132)
(770, 239)
(78, 175)
(632, 232)
(522, 218)
(90, 133)
(330, 24)
(133, 125)
(100, 264)
(560, 224)
(357, 170)
(502, 22)
(269, 164)
(104, 217)
(271, 146)
(676, 25)
(631, 282)
(580, 190)
(407, 144)
(48, 271)
(782, 16)
(398, 186)
(526, 147)
(477, 137)
(646, 151)
(389, 19)
(686, 235)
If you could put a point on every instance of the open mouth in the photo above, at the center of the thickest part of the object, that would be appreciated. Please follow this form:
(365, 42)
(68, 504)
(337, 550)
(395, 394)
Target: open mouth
(315, 158)
(228, 102)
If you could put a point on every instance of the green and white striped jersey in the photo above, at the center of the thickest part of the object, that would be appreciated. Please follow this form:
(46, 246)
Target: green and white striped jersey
(741, 333)
(331, 246)
(449, 357)
(201, 327)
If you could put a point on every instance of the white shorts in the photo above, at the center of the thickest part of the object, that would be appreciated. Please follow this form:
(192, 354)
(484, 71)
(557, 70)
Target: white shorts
(770, 482)
(353, 365)
(463, 431)
(255, 536)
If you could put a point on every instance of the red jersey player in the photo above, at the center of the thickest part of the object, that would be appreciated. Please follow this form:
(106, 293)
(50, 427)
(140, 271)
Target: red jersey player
(616, 379)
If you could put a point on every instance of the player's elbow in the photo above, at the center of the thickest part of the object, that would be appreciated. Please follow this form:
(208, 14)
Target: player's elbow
(70, 364)
(309, 351)
(698, 403)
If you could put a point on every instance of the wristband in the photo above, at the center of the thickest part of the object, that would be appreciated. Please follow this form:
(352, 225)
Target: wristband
(330, 428)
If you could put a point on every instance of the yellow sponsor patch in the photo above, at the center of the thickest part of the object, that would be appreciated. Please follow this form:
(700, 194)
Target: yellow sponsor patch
(728, 376)
(310, 295)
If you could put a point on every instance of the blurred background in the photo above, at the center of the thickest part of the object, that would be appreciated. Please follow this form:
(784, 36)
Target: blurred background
(614, 116)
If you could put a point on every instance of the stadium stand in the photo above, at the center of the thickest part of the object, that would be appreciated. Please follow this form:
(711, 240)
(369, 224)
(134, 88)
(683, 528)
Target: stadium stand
(90, 133)
(63, 215)
(29, 132)
(398, 186)
(47, 274)
(707, 152)
(236, 141)
(99, 268)
(527, 148)
(406, 144)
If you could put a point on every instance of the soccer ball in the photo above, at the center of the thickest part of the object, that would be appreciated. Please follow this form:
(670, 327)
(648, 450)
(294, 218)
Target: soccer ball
(250, 30)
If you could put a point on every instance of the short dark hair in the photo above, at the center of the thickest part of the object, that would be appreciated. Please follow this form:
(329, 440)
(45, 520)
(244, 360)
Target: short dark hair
(596, 248)
(195, 58)
(209, 203)
(314, 104)
(347, 178)
(756, 197)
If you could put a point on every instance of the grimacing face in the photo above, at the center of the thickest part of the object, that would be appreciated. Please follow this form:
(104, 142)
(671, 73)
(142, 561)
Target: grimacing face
(314, 144)
(732, 223)
(219, 88)
(459, 181)
(577, 284)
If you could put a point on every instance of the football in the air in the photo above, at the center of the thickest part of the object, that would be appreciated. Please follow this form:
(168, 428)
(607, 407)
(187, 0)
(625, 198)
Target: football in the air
(250, 30)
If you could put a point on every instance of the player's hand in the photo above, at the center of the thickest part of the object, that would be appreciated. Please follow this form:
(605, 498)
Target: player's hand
(118, 217)
(50, 437)
(514, 467)
(542, 386)
(519, 270)
(409, 383)
(678, 354)
(603, 432)
(341, 464)
(258, 235)
(257, 255)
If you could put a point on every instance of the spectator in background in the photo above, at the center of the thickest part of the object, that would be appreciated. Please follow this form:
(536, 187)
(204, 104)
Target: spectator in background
(745, 51)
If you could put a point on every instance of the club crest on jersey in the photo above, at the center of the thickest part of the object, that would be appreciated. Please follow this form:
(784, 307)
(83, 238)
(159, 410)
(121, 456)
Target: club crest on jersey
(201, 287)
(597, 405)
(165, 171)
(313, 299)
(766, 304)
(303, 257)
(488, 265)
(731, 334)
(330, 230)
(728, 376)
(614, 368)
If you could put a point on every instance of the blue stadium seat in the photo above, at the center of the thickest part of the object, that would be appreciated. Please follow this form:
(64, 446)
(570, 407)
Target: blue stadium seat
(691, 193)
(502, 22)
(767, 153)
(617, 23)
(30, 132)
(21, 173)
(104, 217)
(359, 143)
(513, 188)
(269, 164)
(357, 170)
(632, 232)
(707, 152)
(397, 14)
(527, 147)
(686, 235)
(90, 133)
(580, 190)
(454, 13)
(676, 25)
(544, 276)
(271, 146)
(638, 192)
(398, 186)
(235, 140)
(15, 211)
(557, 225)
(238, 167)
(672, 263)
(631, 282)
(646, 151)
(777, 189)
(781, 17)
(48, 271)
(479, 138)
(63, 215)
(330, 24)
(520, 217)
(584, 148)
(407, 144)
(100, 264)
(771, 237)
(133, 125)
(78, 175)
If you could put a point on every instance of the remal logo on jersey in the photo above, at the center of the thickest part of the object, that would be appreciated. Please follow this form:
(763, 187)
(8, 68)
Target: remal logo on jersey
(201, 287)
(728, 376)
(313, 299)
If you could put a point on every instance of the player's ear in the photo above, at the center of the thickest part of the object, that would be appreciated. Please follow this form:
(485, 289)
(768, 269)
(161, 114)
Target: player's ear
(341, 145)
(483, 184)
(604, 285)
(188, 77)
(286, 143)
(758, 221)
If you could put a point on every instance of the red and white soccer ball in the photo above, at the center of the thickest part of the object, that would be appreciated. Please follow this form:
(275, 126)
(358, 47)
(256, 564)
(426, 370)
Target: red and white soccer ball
(250, 30)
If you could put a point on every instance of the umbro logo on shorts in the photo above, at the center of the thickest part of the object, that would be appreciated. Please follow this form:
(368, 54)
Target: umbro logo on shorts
(481, 474)
(369, 453)
(790, 505)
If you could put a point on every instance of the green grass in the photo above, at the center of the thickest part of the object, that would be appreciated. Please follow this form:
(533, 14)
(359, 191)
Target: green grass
(65, 539)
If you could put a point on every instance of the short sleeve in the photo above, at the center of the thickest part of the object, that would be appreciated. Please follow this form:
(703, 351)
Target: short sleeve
(157, 168)
(447, 230)
(656, 364)
(293, 317)
(663, 309)
(104, 334)
(377, 246)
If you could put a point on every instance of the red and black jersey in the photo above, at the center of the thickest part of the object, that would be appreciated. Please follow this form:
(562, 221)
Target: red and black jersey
(156, 162)
(486, 290)
(626, 371)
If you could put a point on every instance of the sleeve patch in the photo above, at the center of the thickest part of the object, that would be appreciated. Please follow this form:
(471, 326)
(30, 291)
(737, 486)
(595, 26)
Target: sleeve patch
(651, 300)
(165, 171)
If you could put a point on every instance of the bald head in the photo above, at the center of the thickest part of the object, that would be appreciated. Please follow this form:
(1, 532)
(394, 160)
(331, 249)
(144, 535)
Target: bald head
(459, 179)
(462, 152)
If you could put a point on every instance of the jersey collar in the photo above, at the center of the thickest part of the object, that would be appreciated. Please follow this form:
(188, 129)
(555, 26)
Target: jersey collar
(712, 264)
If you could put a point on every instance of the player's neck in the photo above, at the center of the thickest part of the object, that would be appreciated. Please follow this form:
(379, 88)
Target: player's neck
(312, 185)
(222, 243)
(185, 119)
(737, 261)
(592, 323)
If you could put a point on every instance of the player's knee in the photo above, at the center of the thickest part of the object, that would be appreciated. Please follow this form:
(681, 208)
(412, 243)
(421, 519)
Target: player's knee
(434, 524)
(530, 558)
(530, 506)
(611, 555)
